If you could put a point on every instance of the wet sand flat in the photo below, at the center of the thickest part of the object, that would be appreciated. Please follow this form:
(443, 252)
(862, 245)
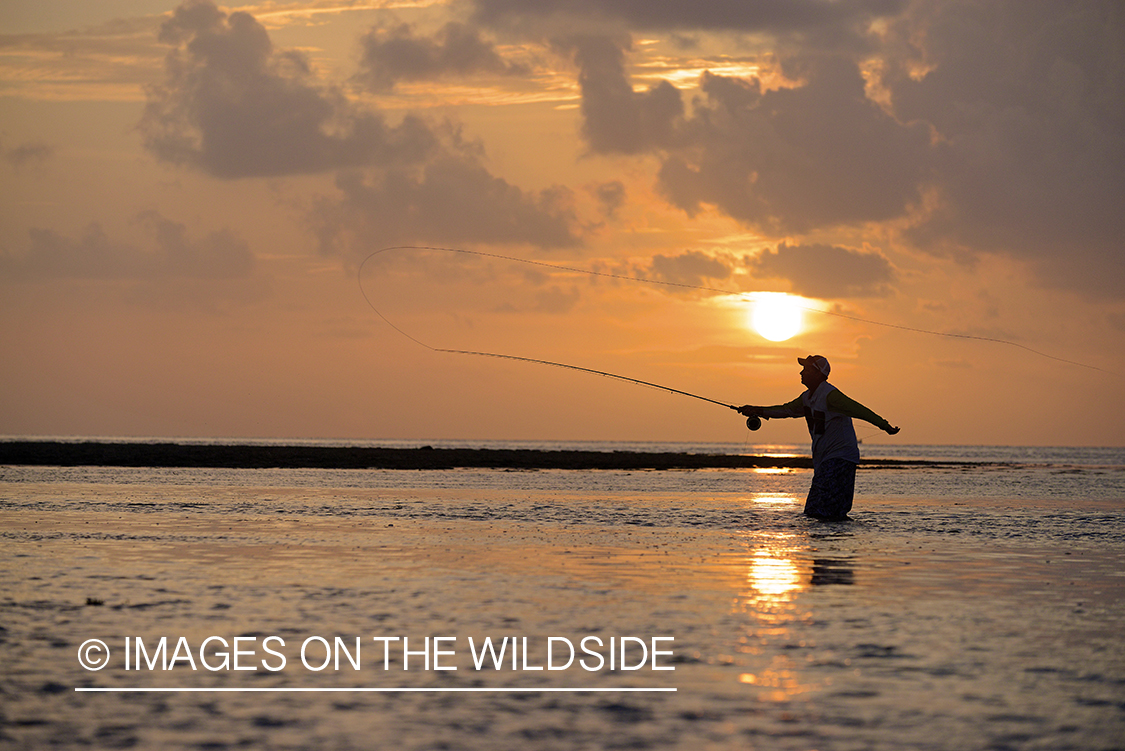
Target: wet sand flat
(784, 633)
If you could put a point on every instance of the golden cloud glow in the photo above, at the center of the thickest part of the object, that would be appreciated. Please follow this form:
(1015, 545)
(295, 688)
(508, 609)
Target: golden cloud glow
(273, 16)
(686, 74)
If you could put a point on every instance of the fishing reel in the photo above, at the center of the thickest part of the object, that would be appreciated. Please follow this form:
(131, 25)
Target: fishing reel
(753, 422)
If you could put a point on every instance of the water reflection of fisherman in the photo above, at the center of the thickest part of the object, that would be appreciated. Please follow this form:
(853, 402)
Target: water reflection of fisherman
(835, 449)
(831, 571)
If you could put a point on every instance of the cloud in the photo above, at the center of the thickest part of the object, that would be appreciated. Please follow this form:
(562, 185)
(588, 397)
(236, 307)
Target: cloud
(971, 127)
(107, 62)
(219, 254)
(786, 160)
(396, 54)
(615, 118)
(170, 254)
(691, 268)
(735, 15)
(1027, 103)
(556, 301)
(233, 106)
(27, 153)
(825, 271)
(451, 200)
(610, 196)
(793, 160)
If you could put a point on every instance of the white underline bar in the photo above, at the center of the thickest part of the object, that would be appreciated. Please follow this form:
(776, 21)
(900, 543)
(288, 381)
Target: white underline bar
(374, 690)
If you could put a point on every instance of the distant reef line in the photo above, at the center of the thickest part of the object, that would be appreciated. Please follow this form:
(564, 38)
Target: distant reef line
(250, 456)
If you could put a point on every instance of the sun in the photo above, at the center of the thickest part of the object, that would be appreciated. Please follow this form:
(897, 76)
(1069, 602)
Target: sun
(776, 316)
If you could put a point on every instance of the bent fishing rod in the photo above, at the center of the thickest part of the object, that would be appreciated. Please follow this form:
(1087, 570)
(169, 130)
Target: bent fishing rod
(627, 379)
(753, 422)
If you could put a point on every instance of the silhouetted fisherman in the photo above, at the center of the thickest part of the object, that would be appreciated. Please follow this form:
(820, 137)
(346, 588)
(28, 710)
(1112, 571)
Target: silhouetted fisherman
(835, 449)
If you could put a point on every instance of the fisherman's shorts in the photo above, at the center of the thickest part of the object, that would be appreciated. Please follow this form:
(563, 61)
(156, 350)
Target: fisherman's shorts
(833, 487)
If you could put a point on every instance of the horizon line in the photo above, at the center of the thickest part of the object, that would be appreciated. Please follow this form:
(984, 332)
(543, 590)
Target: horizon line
(364, 689)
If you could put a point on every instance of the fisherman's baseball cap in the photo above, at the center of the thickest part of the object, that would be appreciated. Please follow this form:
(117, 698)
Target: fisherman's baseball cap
(820, 362)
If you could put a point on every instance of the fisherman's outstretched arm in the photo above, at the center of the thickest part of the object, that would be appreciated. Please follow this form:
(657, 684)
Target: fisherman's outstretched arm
(790, 409)
(845, 405)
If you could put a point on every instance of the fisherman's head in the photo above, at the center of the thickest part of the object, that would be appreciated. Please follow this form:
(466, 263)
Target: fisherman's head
(814, 370)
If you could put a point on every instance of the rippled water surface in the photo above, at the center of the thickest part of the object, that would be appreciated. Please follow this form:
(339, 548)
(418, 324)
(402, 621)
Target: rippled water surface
(964, 607)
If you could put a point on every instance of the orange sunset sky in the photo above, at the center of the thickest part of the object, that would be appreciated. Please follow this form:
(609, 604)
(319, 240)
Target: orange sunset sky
(189, 191)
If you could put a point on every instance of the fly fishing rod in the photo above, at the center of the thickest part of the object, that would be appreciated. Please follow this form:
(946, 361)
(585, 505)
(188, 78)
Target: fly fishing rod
(627, 379)
(753, 423)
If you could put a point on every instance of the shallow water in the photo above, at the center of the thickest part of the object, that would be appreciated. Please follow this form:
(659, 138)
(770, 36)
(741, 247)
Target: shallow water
(963, 608)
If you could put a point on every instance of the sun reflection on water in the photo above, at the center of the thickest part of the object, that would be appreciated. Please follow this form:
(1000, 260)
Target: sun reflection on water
(776, 572)
(776, 576)
(773, 577)
(772, 499)
(779, 685)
